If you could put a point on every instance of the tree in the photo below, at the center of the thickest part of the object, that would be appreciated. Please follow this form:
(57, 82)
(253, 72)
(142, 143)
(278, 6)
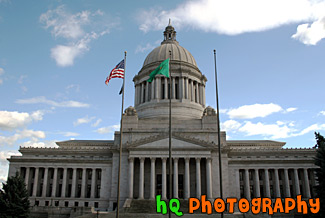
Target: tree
(320, 172)
(14, 198)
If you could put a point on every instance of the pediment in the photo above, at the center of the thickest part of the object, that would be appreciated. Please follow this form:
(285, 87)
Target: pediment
(163, 144)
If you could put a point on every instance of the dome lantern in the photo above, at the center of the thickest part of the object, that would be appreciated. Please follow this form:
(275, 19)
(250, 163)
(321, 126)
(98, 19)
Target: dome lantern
(169, 34)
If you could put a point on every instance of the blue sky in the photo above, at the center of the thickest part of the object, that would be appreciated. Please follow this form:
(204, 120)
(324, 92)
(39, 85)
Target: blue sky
(55, 56)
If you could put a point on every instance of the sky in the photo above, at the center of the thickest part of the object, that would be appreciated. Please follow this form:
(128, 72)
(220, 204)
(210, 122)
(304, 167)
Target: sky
(56, 55)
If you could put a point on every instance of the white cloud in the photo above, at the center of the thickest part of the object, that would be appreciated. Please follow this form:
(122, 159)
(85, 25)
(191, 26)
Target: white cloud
(4, 164)
(107, 129)
(64, 24)
(2, 71)
(141, 49)
(322, 113)
(311, 128)
(83, 120)
(233, 16)
(10, 120)
(75, 87)
(290, 109)
(21, 79)
(69, 134)
(65, 55)
(36, 144)
(230, 125)
(311, 34)
(21, 134)
(43, 100)
(279, 130)
(253, 111)
(98, 121)
(79, 29)
(270, 130)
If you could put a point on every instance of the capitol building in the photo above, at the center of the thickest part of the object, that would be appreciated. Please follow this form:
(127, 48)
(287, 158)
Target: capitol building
(81, 174)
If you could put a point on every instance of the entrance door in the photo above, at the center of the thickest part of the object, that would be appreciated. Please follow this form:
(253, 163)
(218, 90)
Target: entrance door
(180, 185)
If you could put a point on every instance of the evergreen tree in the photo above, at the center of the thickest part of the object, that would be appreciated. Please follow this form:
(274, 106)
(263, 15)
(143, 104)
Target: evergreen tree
(14, 198)
(320, 172)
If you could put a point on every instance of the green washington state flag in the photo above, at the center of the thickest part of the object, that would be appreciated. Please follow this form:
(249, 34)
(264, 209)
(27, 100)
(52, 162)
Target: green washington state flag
(162, 69)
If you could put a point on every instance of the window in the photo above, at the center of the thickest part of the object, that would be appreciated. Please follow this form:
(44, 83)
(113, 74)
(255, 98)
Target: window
(90, 174)
(98, 191)
(163, 89)
(79, 191)
(66, 203)
(80, 174)
(99, 174)
(88, 191)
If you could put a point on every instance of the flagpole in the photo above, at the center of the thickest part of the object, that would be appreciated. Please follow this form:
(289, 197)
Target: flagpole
(218, 127)
(121, 134)
(170, 132)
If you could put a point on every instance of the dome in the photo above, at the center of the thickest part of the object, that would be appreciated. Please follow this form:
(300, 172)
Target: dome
(162, 53)
(185, 88)
(169, 44)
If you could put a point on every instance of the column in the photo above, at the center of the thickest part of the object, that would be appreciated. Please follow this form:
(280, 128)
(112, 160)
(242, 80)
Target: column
(181, 87)
(93, 183)
(46, 172)
(54, 182)
(187, 178)
(166, 88)
(35, 182)
(27, 177)
(312, 181)
(247, 189)
(186, 88)
(192, 91)
(306, 183)
(142, 93)
(152, 178)
(147, 92)
(173, 87)
(141, 179)
(277, 183)
(203, 95)
(209, 178)
(267, 183)
(156, 87)
(296, 178)
(197, 92)
(164, 179)
(153, 89)
(131, 172)
(257, 184)
(135, 95)
(198, 178)
(73, 186)
(237, 183)
(175, 177)
(83, 183)
(64, 182)
(286, 183)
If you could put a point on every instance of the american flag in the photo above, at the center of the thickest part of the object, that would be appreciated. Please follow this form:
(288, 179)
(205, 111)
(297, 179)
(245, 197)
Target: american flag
(117, 72)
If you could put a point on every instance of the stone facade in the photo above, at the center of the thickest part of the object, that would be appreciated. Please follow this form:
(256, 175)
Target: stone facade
(84, 173)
